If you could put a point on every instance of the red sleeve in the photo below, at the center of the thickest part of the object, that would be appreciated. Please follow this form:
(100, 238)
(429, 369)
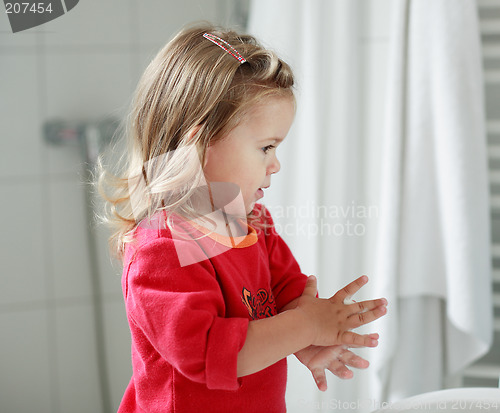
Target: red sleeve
(287, 281)
(181, 310)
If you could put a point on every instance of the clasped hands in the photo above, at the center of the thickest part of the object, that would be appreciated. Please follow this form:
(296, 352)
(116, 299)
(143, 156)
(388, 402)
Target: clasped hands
(324, 355)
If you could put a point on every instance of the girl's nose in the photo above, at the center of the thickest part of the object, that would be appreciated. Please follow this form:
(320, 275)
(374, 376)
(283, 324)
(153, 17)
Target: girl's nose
(274, 167)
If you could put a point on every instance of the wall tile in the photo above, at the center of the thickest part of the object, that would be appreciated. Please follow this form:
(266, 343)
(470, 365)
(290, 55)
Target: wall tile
(71, 267)
(20, 125)
(24, 41)
(22, 243)
(110, 269)
(91, 22)
(84, 87)
(76, 360)
(24, 363)
(118, 349)
(158, 20)
(141, 61)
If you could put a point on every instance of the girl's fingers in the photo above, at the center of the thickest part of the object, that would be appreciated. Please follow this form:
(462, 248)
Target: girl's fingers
(363, 306)
(359, 319)
(311, 287)
(373, 336)
(353, 360)
(339, 365)
(320, 378)
(350, 289)
(342, 372)
(336, 359)
(351, 339)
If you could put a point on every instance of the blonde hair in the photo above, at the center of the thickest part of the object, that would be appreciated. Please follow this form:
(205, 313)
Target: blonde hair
(191, 95)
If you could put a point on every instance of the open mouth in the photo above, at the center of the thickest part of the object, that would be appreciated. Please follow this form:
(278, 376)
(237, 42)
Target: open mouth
(260, 191)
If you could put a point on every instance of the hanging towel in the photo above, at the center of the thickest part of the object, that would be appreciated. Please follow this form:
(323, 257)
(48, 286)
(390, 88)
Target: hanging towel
(434, 228)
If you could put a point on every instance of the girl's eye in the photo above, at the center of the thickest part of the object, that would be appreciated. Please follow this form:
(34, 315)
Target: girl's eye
(267, 148)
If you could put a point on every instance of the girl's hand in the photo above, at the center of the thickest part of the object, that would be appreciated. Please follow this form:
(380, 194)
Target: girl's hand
(331, 320)
(334, 358)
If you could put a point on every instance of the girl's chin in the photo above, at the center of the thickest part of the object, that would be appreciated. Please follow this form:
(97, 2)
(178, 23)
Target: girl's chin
(249, 208)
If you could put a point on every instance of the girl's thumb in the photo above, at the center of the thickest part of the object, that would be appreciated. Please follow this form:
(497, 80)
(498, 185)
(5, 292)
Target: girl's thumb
(311, 286)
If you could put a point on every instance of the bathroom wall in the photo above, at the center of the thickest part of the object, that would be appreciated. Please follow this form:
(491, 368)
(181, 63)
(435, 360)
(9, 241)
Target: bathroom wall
(81, 66)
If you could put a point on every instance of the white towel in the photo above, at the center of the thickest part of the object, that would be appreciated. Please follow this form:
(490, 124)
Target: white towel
(434, 234)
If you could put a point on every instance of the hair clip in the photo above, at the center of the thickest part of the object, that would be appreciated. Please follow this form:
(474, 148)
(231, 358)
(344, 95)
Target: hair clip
(220, 42)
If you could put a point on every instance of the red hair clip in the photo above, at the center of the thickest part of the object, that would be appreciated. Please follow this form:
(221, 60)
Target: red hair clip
(222, 44)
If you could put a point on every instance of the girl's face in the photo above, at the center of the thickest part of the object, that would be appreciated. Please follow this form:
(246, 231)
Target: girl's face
(247, 155)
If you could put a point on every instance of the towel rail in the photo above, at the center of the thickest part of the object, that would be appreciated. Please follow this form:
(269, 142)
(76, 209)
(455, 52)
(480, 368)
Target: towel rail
(490, 26)
(486, 371)
(492, 77)
(488, 4)
(495, 251)
(494, 177)
(496, 276)
(483, 370)
(496, 303)
(491, 52)
(493, 127)
(494, 152)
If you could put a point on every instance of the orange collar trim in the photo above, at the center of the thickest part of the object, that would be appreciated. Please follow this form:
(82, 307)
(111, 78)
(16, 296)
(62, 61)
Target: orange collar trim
(231, 242)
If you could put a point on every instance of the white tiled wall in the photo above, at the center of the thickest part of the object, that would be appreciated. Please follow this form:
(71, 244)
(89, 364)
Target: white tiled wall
(19, 90)
(76, 367)
(27, 360)
(81, 66)
(85, 65)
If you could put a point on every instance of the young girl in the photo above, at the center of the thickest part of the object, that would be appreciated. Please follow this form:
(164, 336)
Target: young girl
(214, 298)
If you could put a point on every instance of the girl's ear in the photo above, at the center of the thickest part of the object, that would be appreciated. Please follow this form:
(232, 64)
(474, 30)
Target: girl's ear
(193, 132)
(208, 153)
(190, 137)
